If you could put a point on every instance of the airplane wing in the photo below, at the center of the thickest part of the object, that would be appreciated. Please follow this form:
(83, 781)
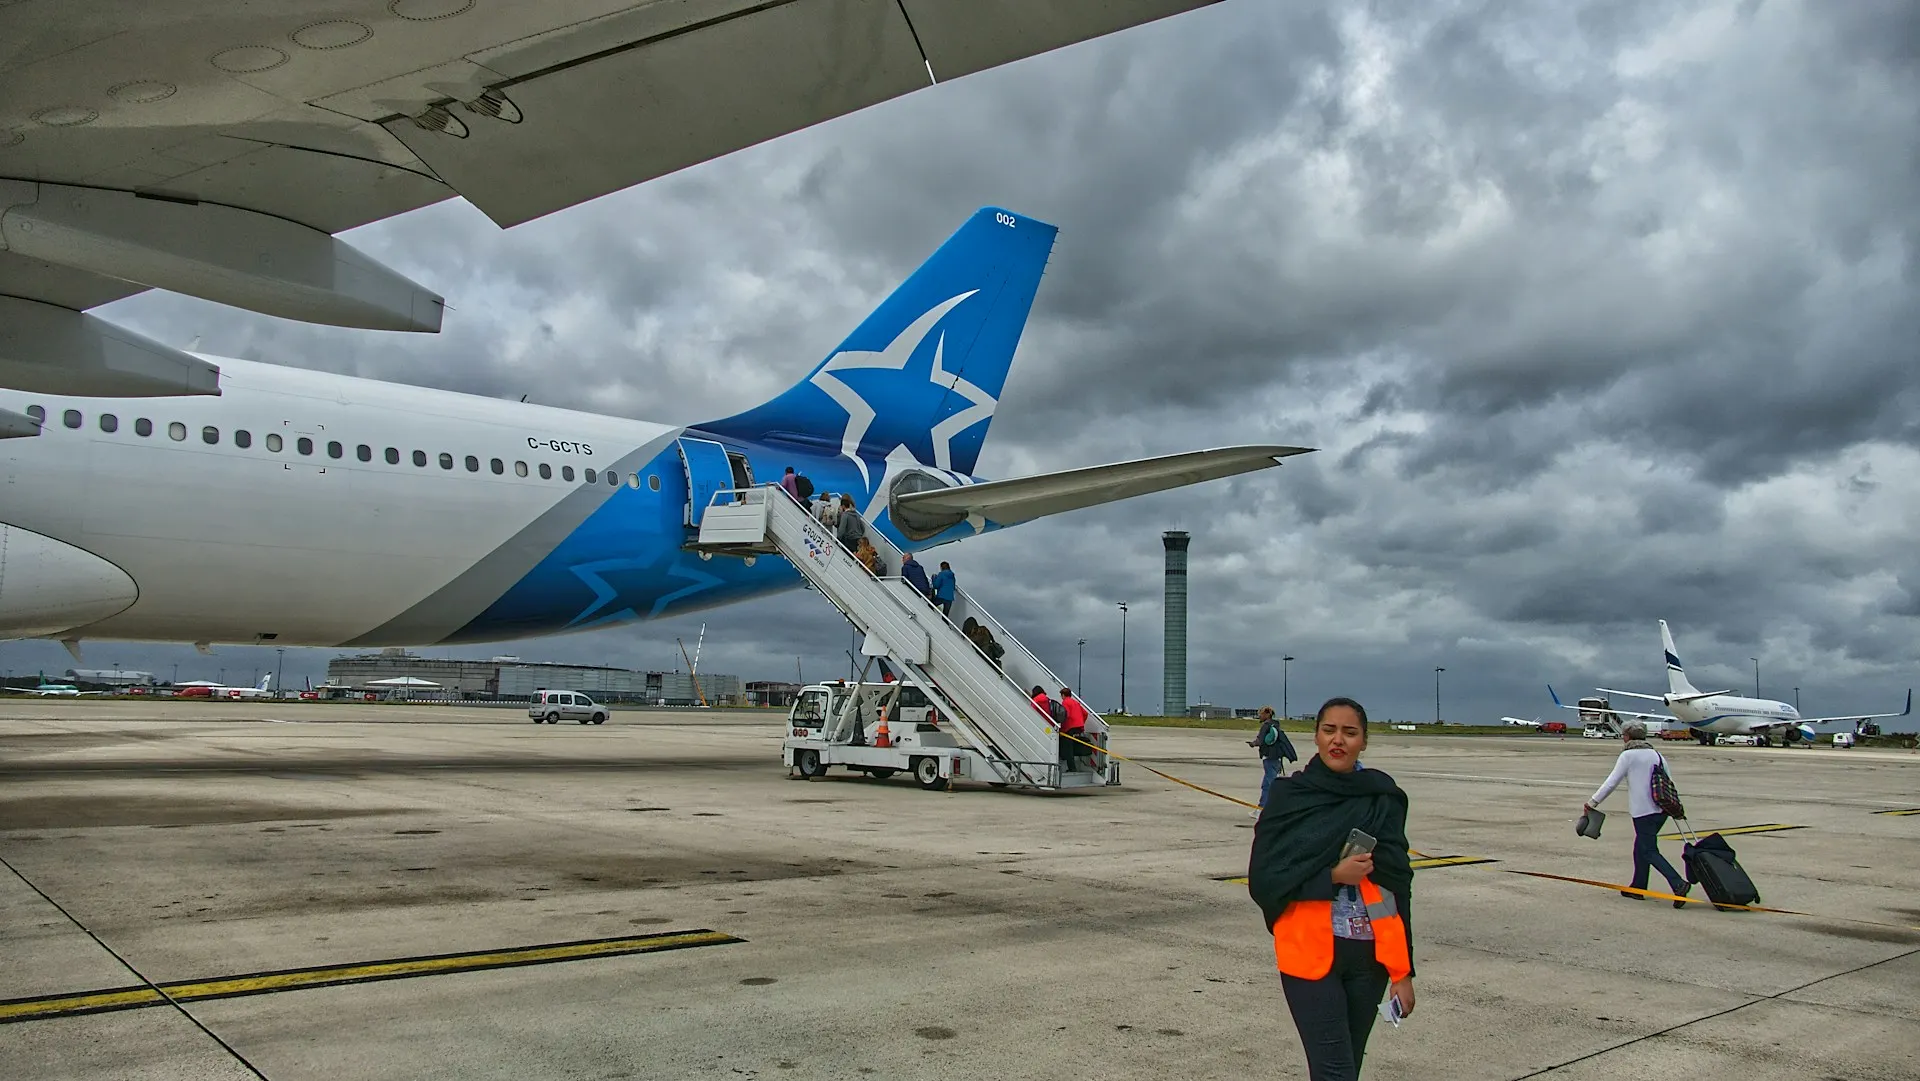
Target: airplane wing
(1615, 709)
(1857, 716)
(214, 148)
(1007, 502)
(1633, 694)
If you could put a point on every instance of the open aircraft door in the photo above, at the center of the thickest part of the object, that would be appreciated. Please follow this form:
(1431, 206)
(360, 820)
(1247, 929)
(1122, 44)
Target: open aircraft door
(708, 471)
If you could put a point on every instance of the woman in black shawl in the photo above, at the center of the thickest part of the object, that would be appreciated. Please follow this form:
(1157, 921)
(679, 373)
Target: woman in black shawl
(1296, 858)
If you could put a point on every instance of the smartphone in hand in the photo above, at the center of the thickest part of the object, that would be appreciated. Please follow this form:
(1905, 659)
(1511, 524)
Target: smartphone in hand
(1358, 841)
(1390, 1009)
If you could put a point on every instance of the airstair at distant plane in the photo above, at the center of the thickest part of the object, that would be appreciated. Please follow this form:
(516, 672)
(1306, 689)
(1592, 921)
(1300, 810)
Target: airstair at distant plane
(991, 730)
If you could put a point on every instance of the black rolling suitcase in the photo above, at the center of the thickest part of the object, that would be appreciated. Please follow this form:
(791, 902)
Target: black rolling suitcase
(1711, 862)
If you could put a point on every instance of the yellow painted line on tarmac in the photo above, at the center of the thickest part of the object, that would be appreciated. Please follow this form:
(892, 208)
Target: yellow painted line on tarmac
(1903, 811)
(1764, 827)
(295, 979)
(1421, 864)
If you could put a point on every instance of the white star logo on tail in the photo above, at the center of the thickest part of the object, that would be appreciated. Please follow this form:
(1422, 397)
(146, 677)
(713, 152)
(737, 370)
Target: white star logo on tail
(899, 351)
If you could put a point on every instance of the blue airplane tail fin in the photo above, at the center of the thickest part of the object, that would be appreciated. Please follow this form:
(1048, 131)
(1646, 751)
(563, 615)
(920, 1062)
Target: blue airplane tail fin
(925, 370)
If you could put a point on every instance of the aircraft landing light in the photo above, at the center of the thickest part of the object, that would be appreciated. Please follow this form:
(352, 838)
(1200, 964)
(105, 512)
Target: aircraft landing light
(1765, 827)
(295, 979)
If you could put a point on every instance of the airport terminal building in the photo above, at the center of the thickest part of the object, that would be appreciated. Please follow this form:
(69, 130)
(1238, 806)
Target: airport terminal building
(513, 678)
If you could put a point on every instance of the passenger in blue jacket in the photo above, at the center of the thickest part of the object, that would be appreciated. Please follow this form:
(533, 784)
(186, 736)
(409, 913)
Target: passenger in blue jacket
(1276, 750)
(943, 588)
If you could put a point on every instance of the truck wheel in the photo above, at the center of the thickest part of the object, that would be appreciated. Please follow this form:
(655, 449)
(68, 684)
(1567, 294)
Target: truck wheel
(926, 771)
(809, 764)
(599, 718)
(553, 718)
(880, 774)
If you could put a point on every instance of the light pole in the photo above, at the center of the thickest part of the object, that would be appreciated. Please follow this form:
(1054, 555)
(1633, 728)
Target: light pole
(1436, 694)
(279, 670)
(1285, 664)
(1123, 658)
(1796, 699)
(1756, 676)
(1080, 671)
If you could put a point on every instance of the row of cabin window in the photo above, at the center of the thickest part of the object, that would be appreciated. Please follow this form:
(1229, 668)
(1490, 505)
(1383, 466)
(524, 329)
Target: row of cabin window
(242, 438)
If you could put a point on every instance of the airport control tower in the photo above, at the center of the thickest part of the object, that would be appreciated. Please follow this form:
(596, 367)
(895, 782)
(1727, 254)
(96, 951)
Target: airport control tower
(1174, 682)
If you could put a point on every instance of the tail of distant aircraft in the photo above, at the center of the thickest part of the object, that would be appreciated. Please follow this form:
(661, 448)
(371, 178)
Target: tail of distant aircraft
(1677, 682)
(924, 371)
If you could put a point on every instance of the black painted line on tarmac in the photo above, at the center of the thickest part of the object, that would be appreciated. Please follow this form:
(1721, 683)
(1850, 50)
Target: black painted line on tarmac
(1731, 831)
(1422, 864)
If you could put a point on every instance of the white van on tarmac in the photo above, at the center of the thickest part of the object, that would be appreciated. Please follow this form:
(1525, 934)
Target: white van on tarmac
(550, 706)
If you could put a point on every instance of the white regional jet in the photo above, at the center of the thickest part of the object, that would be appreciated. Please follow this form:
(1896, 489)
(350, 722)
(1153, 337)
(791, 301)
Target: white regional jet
(1711, 713)
(262, 689)
(214, 149)
(52, 690)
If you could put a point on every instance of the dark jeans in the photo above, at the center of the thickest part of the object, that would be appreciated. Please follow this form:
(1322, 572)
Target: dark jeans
(1070, 750)
(1269, 769)
(1335, 1013)
(1646, 854)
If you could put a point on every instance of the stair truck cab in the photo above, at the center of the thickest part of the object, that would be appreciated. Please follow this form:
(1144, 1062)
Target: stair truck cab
(839, 723)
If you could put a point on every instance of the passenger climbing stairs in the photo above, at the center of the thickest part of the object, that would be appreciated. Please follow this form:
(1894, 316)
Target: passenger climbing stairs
(998, 736)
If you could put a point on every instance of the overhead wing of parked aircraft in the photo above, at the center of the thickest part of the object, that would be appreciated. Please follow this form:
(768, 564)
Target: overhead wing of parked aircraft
(214, 148)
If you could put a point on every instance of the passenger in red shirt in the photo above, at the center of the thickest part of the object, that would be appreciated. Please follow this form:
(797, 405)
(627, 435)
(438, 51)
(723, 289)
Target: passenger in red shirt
(1074, 726)
(1076, 713)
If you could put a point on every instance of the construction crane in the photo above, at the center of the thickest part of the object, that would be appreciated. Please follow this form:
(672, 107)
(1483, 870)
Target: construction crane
(693, 663)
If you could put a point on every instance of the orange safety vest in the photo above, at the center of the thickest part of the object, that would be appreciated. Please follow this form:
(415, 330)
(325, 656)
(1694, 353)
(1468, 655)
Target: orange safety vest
(1303, 935)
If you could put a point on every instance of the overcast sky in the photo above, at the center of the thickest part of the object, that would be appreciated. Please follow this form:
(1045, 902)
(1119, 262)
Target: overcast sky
(1598, 313)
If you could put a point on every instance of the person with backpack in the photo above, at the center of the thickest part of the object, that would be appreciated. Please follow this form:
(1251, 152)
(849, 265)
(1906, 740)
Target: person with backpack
(791, 482)
(1652, 799)
(848, 527)
(1276, 750)
(803, 489)
(1070, 717)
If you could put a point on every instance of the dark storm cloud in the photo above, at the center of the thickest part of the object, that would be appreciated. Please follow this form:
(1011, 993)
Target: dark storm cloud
(1600, 313)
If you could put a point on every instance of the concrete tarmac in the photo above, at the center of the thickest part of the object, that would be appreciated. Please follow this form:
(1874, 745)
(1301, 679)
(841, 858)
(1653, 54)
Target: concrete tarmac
(885, 931)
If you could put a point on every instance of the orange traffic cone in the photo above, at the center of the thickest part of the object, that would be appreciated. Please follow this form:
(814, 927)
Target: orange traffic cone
(881, 738)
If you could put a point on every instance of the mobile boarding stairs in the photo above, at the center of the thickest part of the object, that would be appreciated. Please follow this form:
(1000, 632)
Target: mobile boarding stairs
(988, 729)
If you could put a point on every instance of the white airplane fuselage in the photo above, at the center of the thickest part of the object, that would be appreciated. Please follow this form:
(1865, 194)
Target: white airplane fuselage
(322, 542)
(1730, 714)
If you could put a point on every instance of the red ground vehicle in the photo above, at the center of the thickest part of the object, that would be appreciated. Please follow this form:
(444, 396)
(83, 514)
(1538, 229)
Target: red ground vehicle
(1558, 728)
